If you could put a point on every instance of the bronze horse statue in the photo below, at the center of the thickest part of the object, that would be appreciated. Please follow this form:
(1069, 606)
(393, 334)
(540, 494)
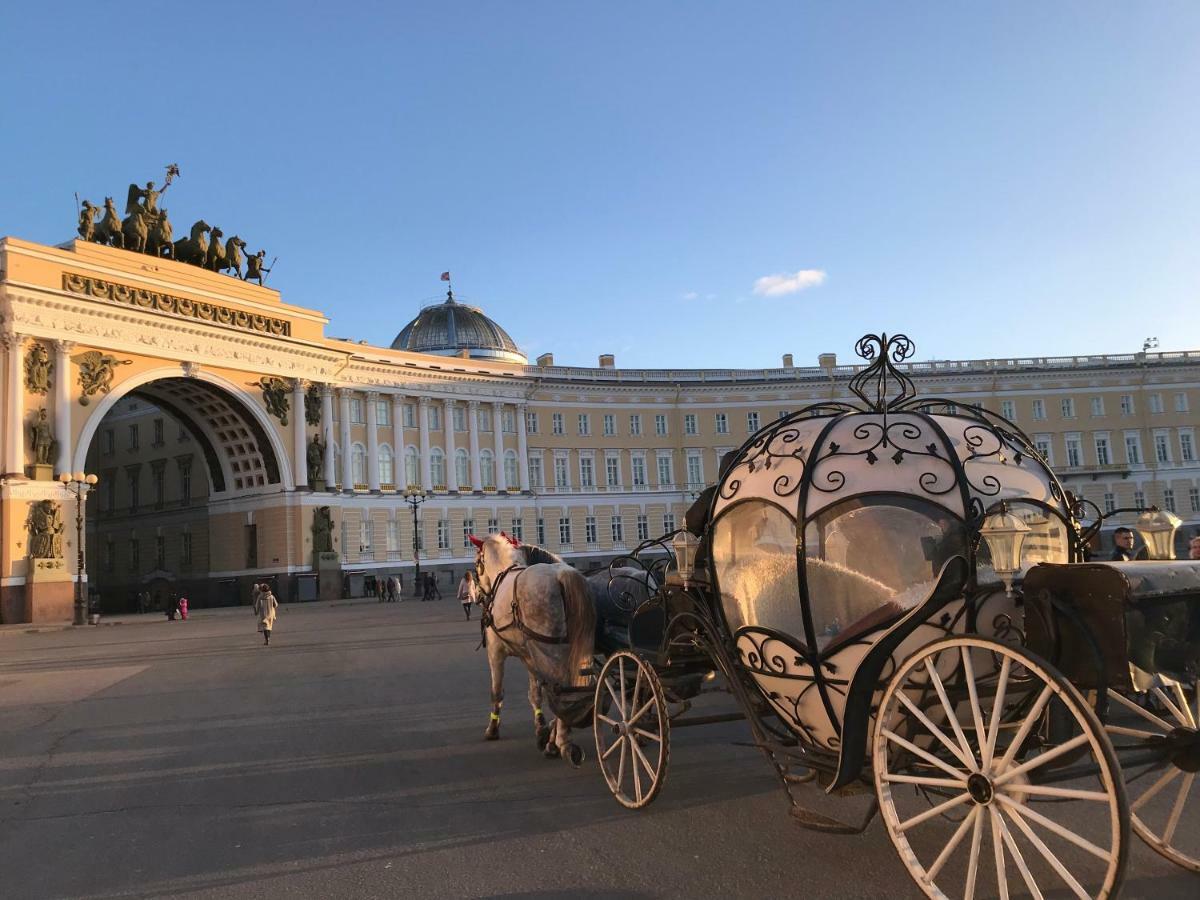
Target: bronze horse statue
(135, 230)
(194, 248)
(233, 257)
(158, 241)
(108, 229)
(214, 260)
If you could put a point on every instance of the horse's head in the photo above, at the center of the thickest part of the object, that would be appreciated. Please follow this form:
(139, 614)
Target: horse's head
(493, 554)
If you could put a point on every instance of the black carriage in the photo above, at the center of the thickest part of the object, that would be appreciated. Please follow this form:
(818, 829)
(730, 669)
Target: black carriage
(894, 591)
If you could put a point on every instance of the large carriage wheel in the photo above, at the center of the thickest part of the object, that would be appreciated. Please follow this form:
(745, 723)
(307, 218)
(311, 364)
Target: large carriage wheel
(1164, 784)
(975, 797)
(633, 741)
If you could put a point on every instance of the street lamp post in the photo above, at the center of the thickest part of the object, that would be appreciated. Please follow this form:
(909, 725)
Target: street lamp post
(414, 498)
(79, 484)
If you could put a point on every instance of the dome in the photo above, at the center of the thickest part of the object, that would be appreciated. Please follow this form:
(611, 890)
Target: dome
(450, 327)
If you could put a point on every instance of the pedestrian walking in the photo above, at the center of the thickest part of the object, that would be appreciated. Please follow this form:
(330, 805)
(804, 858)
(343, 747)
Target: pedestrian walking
(426, 589)
(183, 606)
(172, 605)
(465, 591)
(265, 608)
(435, 591)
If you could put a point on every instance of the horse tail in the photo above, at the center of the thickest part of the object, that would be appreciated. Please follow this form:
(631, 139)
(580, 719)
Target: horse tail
(581, 625)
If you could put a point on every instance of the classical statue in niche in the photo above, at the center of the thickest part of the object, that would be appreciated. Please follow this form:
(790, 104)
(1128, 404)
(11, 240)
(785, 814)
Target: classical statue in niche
(42, 440)
(312, 405)
(322, 530)
(275, 397)
(316, 460)
(96, 373)
(37, 370)
(45, 530)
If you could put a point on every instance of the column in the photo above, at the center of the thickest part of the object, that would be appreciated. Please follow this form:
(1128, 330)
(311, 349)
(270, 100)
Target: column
(327, 435)
(373, 441)
(344, 413)
(423, 413)
(473, 426)
(398, 445)
(62, 405)
(451, 468)
(498, 443)
(522, 449)
(14, 462)
(299, 434)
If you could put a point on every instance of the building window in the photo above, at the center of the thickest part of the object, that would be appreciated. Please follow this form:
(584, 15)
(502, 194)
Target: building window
(721, 422)
(610, 425)
(695, 473)
(664, 472)
(1110, 503)
(587, 477)
(508, 421)
(585, 424)
(1156, 404)
(387, 465)
(1068, 408)
(185, 484)
(135, 555)
(437, 468)
(158, 433)
(485, 419)
(531, 423)
(618, 530)
(541, 531)
(660, 424)
(160, 485)
(251, 533)
(183, 434)
(783, 414)
(412, 477)
(493, 526)
(133, 437)
(643, 528)
(410, 415)
(751, 422)
(518, 528)
(561, 478)
(689, 423)
(589, 529)
(512, 477)
(356, 412)
(1169, 499)
(185, 549)
(133, 491)
(358, 464)
(1039, 409)
(487, 469)
(110, 555)
(1097, 406)
(383, 412)
(435, 418)
(468, 530)
(1162, 449)
(612, 471)
(639, 470)
(1181, 403)
(443, 534)
(1074, 451)
(668, 523)
(635, 424)
(1127, 404)
(108, 442)
(535, 471)
(1133, 449)
(556, 423)
(1102, 454)
(462, 468)
(1008, 409)
(1139, 499)
(160, 552)
(564, 531)
(459, 418)
(1186, 451)
(393, 538)
(1194, 499)
(1044, 447)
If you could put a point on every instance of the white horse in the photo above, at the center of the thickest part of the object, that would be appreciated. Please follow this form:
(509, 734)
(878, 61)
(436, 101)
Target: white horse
(537, 609)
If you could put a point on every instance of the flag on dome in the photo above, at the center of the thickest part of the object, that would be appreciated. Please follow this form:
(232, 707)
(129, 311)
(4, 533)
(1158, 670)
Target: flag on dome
(445, 276)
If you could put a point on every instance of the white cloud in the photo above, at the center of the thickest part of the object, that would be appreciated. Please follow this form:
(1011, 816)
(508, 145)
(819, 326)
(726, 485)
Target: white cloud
(783, 284)
(691, 295)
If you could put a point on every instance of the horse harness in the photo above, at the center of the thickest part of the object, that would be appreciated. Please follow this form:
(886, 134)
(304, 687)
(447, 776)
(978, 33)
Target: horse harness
(487, 620)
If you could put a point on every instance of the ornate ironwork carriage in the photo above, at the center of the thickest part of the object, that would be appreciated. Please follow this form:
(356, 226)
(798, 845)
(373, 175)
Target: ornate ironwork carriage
(894, 591)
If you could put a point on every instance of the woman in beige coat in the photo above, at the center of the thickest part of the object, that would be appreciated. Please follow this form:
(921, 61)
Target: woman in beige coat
(265, 608)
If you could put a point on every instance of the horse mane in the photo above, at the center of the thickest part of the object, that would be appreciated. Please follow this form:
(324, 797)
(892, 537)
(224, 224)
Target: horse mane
(535, 554)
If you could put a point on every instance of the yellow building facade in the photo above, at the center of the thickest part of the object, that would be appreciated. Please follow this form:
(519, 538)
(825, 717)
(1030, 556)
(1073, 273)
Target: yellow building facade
(195, 398)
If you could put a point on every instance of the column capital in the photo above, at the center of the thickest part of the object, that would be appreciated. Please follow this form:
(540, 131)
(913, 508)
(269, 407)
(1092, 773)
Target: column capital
(298, 384)
(449, 402)
(372, 396)
(425, 401)
(497, 405)
(63, 346)
(472, 405)
(397, 399)
(327, 390)
(13, 339)
(344, 393)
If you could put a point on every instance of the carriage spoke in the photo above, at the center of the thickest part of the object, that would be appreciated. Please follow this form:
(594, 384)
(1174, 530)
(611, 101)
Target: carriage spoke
(615, 744)
(1018, 812)
(953, 843)
(621, 766)
(1181, 697)
(1177, 809)
(1130, 732)
(1041, 790)
(973, 863)
(937, 732)
(933, 811)
(1015, 852)
(928, 757)
(997, 706)
(616, 699)
(636, 717)
(926, 782)
(606, 720)
(1133, 707)
(633, 700)
(1030, 719)
(1180, 716)
(634, 753)
(998, 847)
(1049, 856)
(976, 711)
(968, 756)
(1162, 782)
(650, 736)
(621, 674)
(1041, 759)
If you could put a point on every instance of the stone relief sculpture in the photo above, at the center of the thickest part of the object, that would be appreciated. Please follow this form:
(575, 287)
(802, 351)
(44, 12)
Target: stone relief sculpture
(42, 440)
(312, 405)
(275, 396)
(45, 530)
(322, 530)
(96, 373)
(37, 370)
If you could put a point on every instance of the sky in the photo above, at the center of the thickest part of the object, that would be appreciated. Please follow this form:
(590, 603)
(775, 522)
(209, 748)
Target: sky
(687, 184)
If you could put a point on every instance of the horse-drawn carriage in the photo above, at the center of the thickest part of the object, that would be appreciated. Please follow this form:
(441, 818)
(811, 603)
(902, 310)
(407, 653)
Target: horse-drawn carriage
(895, 593)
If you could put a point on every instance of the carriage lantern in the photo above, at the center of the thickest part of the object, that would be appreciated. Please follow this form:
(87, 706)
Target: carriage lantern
(1004, 533)
(1157, 528)
(684, 545)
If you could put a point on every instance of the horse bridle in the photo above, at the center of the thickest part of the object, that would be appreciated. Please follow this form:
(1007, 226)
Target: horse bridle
(487, 599)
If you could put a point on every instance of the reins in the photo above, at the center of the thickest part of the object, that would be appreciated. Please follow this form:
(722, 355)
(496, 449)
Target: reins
(487, 620)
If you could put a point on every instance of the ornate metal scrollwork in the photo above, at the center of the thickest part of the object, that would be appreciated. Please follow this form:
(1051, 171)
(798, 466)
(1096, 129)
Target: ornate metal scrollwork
(875, 384)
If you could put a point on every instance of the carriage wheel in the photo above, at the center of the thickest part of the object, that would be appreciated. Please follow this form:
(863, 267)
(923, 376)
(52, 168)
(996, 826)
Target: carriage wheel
(633, 741)
(1160, 790)
(974, 795)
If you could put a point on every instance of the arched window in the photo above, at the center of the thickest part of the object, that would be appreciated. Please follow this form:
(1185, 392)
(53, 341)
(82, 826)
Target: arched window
(358, 463)
(437, 467)
(487, 468)
(411, 475)
(462, 469)
(511, 478)
(387, 465)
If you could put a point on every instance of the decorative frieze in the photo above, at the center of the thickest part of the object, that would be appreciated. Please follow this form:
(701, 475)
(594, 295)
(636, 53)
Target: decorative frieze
(176, 306)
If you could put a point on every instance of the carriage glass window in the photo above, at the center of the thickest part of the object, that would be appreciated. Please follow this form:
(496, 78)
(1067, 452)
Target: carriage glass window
(869, 560)
(1046, 541)
(754, 553)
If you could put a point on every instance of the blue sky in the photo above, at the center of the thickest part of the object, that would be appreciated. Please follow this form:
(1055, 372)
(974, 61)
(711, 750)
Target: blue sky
(993, 179)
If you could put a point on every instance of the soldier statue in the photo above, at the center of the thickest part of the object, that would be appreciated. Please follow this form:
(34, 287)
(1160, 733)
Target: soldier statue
(87, 220)
(316, 460)
(42, 439)
(254, 266)
(322, 530)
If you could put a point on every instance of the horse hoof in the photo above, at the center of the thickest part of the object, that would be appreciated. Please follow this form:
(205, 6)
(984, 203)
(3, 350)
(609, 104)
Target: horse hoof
(550, 751)
(492, 733)
(576, 754)
(543, 737)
